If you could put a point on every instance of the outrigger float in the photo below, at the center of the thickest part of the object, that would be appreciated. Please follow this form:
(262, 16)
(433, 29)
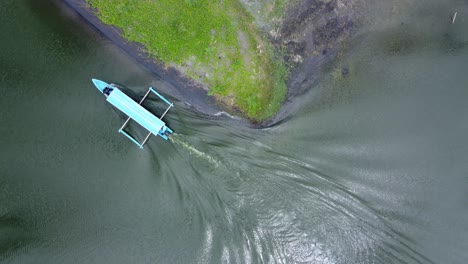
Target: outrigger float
(136, 111)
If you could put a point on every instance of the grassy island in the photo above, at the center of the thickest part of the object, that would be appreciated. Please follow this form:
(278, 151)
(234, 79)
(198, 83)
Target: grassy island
(214, 42)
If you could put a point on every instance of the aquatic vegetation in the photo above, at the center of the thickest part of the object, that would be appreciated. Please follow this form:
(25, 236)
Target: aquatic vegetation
(214, 42)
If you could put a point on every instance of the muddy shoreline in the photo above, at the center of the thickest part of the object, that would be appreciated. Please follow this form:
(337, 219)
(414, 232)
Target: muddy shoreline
(181, 88)
(311, 32)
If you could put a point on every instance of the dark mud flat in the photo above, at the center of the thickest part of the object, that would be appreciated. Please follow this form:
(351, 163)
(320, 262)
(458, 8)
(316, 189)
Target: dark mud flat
(312, 32)
(181, 88)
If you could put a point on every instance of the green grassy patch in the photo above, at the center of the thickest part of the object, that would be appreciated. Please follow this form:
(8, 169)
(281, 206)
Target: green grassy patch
(213, 42)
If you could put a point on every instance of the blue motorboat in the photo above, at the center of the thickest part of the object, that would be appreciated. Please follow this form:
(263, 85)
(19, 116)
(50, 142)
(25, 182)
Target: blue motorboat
(135, 111)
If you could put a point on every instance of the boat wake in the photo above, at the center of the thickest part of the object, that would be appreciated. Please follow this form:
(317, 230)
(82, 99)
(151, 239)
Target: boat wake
(176, 138)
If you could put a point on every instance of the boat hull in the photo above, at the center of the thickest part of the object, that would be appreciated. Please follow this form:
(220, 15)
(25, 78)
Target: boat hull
(135, 111)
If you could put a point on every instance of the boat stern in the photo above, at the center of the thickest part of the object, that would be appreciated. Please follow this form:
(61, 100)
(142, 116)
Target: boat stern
(165, 132)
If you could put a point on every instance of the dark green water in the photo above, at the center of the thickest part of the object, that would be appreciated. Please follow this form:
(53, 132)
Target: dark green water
(371, 169)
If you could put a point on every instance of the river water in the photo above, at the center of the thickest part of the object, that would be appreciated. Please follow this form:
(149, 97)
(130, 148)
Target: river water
(371, 168)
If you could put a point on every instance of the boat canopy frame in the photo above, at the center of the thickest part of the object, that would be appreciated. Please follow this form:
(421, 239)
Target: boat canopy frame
(135, 111)
(161, 133)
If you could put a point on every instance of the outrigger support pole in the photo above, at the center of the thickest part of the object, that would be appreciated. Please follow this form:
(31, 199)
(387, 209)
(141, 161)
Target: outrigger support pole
(146, 139)
(144, 97)
(126, 122)
(162, 97)
(167, 110)
(131, 138)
